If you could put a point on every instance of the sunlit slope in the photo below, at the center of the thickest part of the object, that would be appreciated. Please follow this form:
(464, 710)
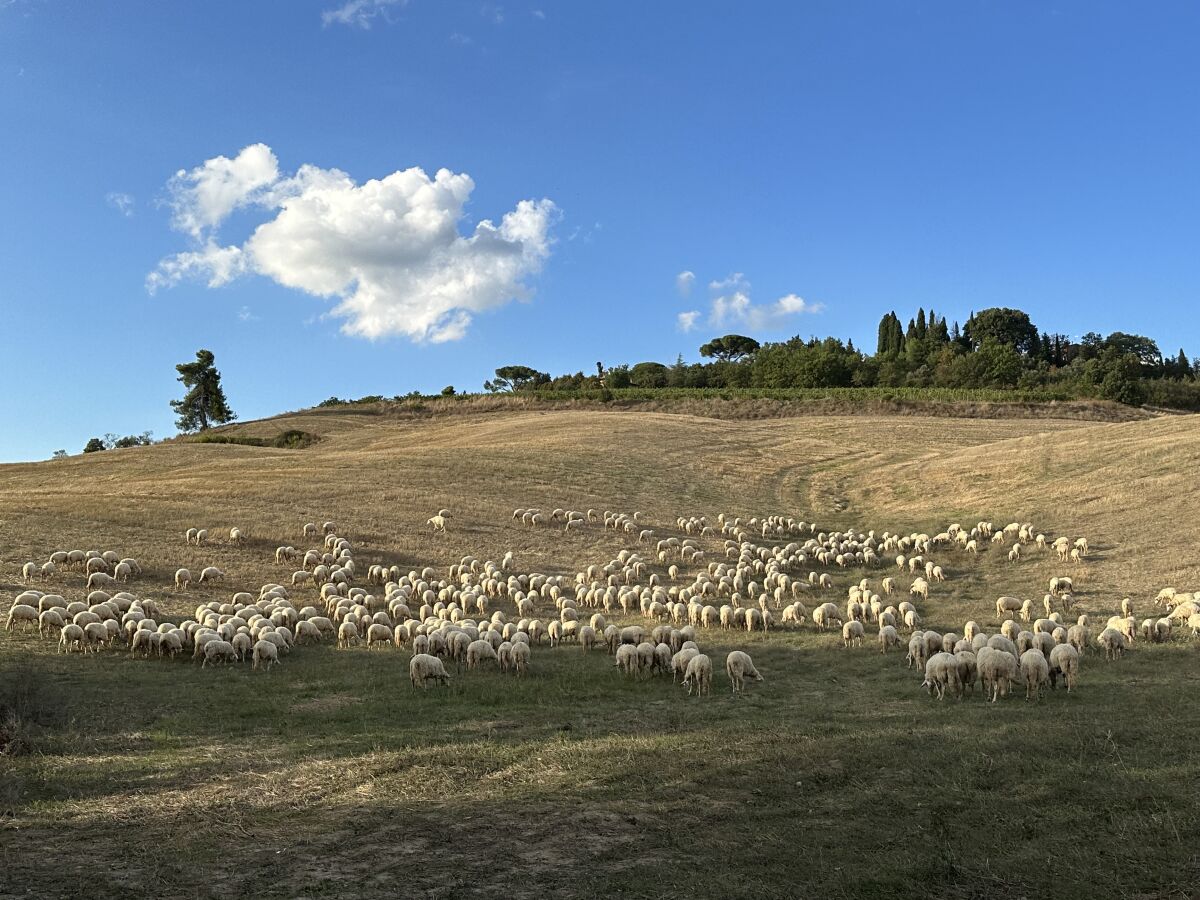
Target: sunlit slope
(381, 476)
(1131, 488)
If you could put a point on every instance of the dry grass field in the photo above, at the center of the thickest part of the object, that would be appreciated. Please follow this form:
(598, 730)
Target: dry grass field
(837, 776)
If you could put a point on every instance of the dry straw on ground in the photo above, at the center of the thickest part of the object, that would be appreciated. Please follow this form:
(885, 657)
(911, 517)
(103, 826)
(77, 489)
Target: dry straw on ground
(330, 777)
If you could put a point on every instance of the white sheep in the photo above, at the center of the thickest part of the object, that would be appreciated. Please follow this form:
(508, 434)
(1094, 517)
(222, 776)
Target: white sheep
(997, 669)
(1064, 661)
(423, 668)
(210, 574)
(347, 634)
(888, 638)
(265, 654)
(438, 522)
(738, 665)
(679, 662)
(1036, 672)
(852, 633)
(478, 651)
(70, 638)
(21, 613)
(698, 675)
(217, 650)
(378, 633)
(1113, 642)
(182, 579)
(1007, 606)
(941, 674)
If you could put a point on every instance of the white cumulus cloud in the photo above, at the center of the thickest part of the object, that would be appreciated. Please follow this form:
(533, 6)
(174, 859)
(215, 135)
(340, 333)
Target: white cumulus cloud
(201, 199)
(686, 321)
(684, 282)
(389, 251)
(358, 13)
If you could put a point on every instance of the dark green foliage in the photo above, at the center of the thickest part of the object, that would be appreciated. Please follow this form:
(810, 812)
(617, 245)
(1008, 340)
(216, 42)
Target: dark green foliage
(729, 348)
(292, 439)
(1000, 350)
(145, 439)
(1004, 326)
(515, 378)
(204, 404)
(648, 374)
(94, 445)
(448, 391)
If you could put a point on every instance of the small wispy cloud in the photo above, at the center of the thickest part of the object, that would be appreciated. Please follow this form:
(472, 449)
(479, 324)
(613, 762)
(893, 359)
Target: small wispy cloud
(460, 39)
(736, 280)
(538, 14)
(684, 282)
(493, 12)
(245, 315)
(359, 13)
(586, 235)
(122, 203)
(730, 306)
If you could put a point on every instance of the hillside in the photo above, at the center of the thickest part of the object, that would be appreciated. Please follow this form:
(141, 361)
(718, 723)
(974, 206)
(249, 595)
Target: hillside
(331, 776)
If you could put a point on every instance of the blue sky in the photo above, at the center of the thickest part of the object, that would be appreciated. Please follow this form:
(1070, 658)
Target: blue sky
(845, 158)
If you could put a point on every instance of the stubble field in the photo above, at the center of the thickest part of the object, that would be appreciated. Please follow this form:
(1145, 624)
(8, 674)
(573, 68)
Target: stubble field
(836, 776)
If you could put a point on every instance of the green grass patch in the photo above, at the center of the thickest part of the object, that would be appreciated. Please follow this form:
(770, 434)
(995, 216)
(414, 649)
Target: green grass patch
(292, 439)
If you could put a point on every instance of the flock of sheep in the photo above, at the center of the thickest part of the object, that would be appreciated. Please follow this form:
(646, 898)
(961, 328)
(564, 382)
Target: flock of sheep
(767, 580)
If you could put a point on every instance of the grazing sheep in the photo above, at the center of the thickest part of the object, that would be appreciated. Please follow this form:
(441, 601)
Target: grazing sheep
(71, 638)
(679, 662)
(888, 638)
(520, 657)
(967, 669)
(347, 634)
(852, 633)
(210, 574)
(1036, 672)
(738, 665)
(21, 613)
(378, 634)
(424, 668)
(1113, 642)
(698, 675)
(997, 669)
(941, 673)
(478, 652)
(266, 653)
(438, 522)
(182, 579)
(627, 660)
(916, 650)
(826, 616)
(1007, 606)
(1064, 661)
(49, 619)
(218, 650)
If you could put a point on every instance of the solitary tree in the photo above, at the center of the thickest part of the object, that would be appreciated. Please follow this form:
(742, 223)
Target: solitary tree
(204, 404)
(95, 445)
(729, 348)
(515, 378)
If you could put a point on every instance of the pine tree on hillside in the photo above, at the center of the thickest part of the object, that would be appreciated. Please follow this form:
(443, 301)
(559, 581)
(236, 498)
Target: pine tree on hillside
(204, 404)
